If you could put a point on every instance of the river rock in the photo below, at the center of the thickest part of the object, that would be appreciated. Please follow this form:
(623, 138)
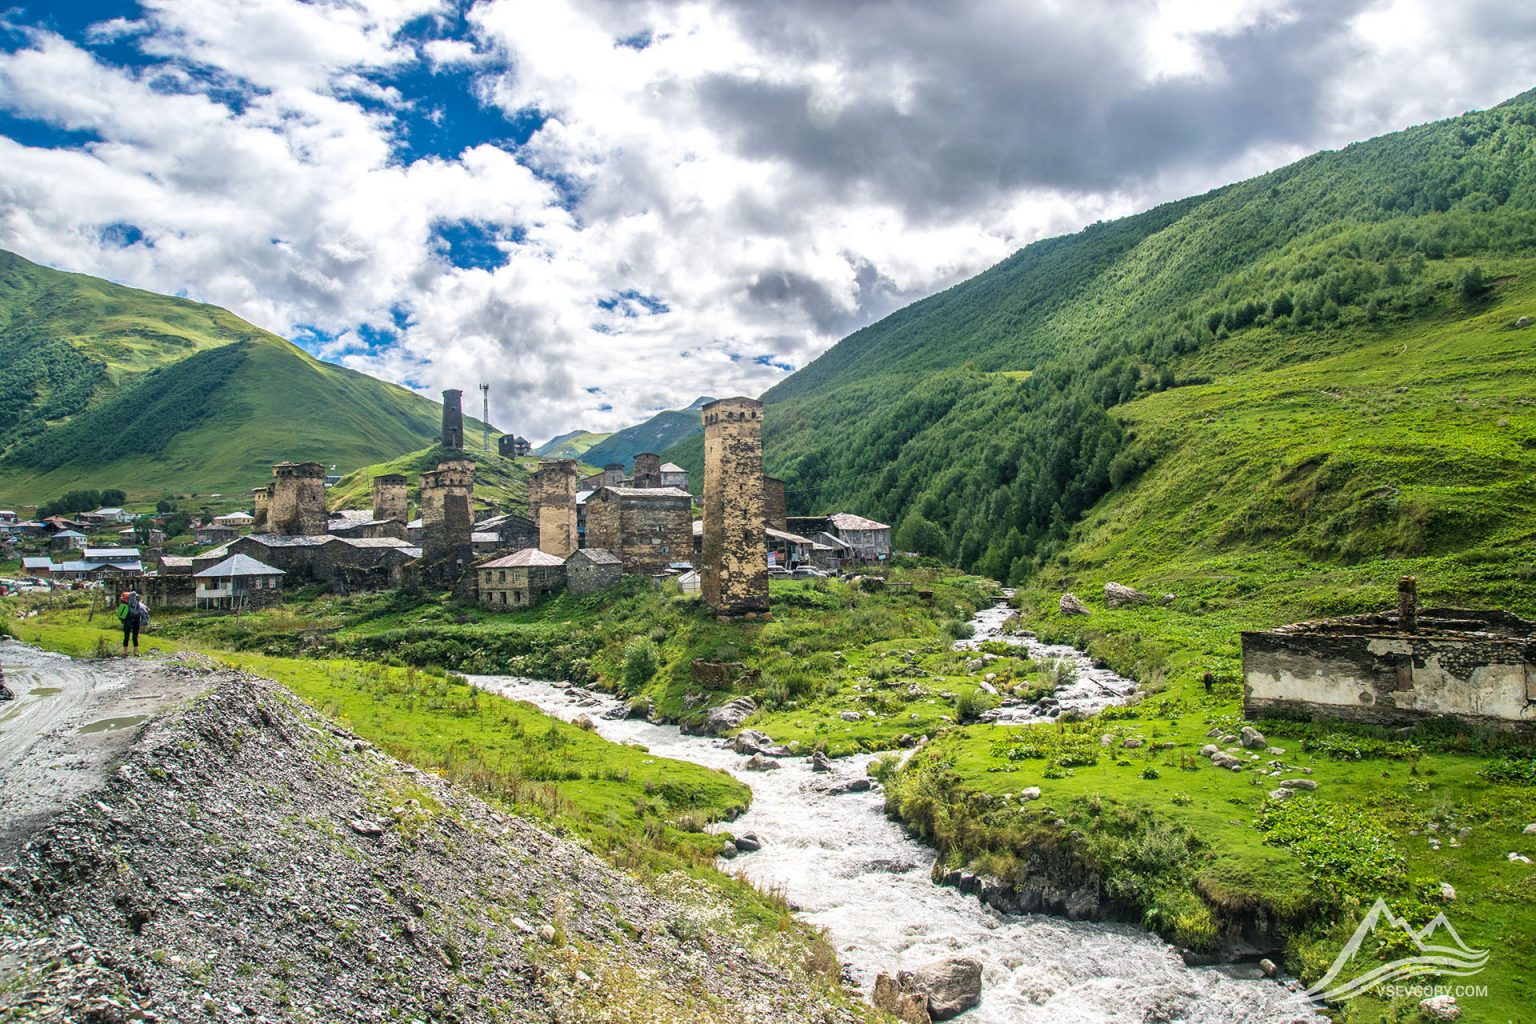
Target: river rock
(952, 985)
(727, 716)
(759, 763)
(584, 723)
(862, 785)
(1070, 605)
(1252, 738)
(1440, 1008)
(1268, 968)
(1117, 595)
(820, 762)
(750, 741)
(908, 1007)
(1298, 784)
(748, 842)
(728, 850)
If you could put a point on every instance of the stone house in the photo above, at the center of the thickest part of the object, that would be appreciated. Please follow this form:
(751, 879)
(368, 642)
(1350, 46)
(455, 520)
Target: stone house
(592, 569)
(214, 533)
(67, 540)
(239, 520)
(512, 532)
(365, 524)
(239, 582)
(648, 528)
(866, 540)
(1395, 669)
(612, 475)
(519, 580)
(673, 475)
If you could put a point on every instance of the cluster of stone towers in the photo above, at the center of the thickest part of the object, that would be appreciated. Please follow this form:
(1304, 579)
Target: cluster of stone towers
(294, 502)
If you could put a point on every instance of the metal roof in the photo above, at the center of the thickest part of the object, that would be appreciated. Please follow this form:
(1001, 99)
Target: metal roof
(238, 565)
(648, 492)
(849, 521)
(524, 559)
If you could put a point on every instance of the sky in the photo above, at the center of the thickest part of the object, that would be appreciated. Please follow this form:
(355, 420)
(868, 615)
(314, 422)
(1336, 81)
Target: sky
(603, 208)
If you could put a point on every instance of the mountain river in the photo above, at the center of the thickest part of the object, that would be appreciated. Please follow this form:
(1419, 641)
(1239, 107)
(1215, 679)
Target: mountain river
(851, 870)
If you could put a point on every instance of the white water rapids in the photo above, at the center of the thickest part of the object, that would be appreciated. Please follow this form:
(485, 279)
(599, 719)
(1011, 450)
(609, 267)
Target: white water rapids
(851, 870)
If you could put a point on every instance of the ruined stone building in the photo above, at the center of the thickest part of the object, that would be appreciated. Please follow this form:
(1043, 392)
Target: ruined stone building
(362, 523)
(612, 475)
(453, 419)
(775, 511)
(296, 507)
(647, 470)
(591, 570)
(552, 504)
(348, 563)
(649, 529)
(735, 570)
(519, 580)
(857, 538)
(1396, 668)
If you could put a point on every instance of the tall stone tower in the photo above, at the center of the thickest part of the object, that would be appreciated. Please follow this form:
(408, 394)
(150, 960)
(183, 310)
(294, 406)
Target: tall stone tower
(446, 520)
(389, 497)
(552, 505)
(453, 418)
(261, 499)
(297, 505)
(647, 470)
(775, 512)
(735, 572)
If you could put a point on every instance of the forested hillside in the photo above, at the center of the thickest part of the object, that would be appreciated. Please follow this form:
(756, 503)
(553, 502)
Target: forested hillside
(656, 434)
(992, 417)
(107, 386)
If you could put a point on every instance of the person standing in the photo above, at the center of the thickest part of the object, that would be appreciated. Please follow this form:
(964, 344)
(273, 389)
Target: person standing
(131, 613)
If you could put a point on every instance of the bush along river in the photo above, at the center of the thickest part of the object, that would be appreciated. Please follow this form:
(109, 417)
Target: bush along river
(824, 841)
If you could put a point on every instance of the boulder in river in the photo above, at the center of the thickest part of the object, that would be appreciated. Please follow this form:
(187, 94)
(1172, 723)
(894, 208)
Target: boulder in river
(748, 842)
(1070, 605)
(820, 762)
(952, 985)
(750, 741)
(759, 763)
(726, 717)
(1117, 595)
(846, 786)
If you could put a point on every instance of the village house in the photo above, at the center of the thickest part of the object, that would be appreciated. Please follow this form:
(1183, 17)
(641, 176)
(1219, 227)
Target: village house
(154, 536)
(175, 565)
(592, 569)
(214, 533)
(364, 523)
(105, 517)
(863, 540)
(1396, 668)
(673, 475)
(38, 566)
(239, 520)
(512, 532)
(612, 475)
(519, 580)
(8, 517)
(67, 540)
(239, 582)
(648, 528)
(510, 447)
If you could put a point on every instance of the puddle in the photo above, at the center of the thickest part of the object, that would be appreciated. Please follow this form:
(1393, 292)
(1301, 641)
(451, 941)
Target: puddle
(113, 724)
(45, 691)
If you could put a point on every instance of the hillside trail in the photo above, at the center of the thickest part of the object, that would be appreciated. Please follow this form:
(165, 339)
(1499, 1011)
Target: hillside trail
(70, 720)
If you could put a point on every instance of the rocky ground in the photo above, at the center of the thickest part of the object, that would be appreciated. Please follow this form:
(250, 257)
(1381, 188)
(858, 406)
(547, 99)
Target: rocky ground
(246, 859)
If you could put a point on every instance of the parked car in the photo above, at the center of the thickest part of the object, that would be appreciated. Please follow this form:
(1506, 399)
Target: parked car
(778, 572)
(808, 572)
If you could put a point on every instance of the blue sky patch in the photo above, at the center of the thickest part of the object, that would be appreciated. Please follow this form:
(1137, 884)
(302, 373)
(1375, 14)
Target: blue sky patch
(631, 303)
(122, 235)
(472, 245)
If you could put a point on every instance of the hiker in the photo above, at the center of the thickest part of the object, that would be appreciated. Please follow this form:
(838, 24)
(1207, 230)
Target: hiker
(134, 615)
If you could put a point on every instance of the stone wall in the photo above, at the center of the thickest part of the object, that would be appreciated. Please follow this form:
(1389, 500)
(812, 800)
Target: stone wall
(389, 498)
(647, 470)
(552, 504)
(648, 529)
(592, 569)
(775, 512)
(734, 575)
(453, 418)
(1367, 670)
(519, 586)
(155, 591)
(297, 505)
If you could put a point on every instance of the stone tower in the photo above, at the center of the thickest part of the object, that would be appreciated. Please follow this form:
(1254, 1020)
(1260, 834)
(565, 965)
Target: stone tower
(552, 504)
(261, 499)
(453, 418)
(735, 571)
(775, 513)
(389, 497)
(297, 505)
(647, 470)
(446, 519)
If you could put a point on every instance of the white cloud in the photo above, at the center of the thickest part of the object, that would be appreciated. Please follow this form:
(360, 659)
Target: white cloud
(771, 180)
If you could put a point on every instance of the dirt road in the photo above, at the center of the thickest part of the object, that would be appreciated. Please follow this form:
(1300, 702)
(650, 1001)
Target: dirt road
(70, 720)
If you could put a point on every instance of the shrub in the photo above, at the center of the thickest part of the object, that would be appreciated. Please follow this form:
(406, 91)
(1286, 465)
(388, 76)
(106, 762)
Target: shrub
(1514, 771)
(641, 659)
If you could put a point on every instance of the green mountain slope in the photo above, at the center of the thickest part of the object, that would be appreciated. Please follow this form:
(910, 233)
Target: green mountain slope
(998, 410)
(498, 481)
(572, 445)
(102, 385)
(656, 434)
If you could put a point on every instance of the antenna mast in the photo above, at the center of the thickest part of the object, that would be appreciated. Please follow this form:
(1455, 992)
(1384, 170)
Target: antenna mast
(485, 417)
